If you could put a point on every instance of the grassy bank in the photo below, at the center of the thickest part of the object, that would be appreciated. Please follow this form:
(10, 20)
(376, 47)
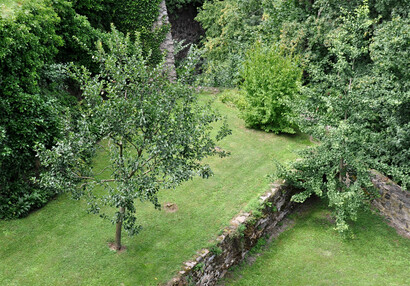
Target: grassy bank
(312, 253)
(62, 245)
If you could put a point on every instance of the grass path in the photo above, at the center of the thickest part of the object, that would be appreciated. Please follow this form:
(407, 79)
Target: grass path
(312, 253)
(62, 245)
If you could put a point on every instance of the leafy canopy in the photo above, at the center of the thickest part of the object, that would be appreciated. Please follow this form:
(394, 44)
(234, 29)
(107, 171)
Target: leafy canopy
(154, 132)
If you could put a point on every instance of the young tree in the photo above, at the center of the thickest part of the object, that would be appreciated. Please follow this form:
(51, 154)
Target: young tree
(338, 113)
(155, 133)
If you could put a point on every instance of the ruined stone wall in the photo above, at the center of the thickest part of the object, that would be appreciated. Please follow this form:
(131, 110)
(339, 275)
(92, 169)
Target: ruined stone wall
(243, 233)
(167, 45)
(210, 265)
(393, 203)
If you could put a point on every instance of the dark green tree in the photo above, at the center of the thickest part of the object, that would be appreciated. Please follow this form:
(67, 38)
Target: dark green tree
(354, 108)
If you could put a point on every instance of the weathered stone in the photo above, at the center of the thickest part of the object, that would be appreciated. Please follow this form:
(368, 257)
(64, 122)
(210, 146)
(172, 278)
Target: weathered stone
(393, 203)
(234, 244)
(167, 46)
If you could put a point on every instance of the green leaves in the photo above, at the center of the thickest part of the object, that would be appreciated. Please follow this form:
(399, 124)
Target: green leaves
(355, 105)
(153, 132)
(271, 82)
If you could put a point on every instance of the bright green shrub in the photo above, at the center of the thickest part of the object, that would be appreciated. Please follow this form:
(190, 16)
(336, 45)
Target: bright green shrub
(271, 81)
(28, 40)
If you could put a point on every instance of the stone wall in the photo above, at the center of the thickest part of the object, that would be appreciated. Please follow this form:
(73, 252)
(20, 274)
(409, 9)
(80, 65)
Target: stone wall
(210, 265)
(393, 203)
(167, 45)
(230, 248)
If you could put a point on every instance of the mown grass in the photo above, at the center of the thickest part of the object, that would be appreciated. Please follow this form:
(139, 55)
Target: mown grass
(312, 253)
(62, 245)
(8, 7)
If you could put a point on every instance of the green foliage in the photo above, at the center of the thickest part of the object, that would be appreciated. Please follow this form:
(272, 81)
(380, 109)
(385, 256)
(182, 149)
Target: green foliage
(28, 42)
(199, 267)
(231, 28)
(128, 17)
(187, 68)
(215, 250)
(271, 81)
(78, 36)
(353, 108)
(173, 5)
(241, 230)
(389, 88)
(258, 247)
(155, 132)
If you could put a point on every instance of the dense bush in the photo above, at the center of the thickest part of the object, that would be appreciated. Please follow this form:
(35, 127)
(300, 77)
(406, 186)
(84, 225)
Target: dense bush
(28, 41)
(271, 82)
(357, 107)
(128, 17)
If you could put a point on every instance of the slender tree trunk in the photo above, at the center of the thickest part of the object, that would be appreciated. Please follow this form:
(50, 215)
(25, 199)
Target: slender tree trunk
(118, 228)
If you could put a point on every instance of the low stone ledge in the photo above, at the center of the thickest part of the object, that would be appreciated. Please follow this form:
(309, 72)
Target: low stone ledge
(210, 265)
(393, 203)
(231, 247)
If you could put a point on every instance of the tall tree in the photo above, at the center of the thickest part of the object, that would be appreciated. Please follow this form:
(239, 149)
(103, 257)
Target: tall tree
(154, 131)
(337, 114)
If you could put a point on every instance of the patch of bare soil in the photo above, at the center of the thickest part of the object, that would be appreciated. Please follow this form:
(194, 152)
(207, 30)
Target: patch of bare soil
(111, 246)
(170, 207)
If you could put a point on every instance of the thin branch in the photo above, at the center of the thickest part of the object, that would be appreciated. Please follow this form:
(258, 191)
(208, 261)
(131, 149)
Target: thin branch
(143, 164)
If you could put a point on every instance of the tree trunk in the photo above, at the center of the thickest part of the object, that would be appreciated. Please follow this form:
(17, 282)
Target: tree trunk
(167, 45)
(118, 228)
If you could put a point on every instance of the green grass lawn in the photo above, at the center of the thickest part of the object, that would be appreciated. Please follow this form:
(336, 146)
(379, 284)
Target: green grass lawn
(312, 253)
(62, 245)
(8, 7)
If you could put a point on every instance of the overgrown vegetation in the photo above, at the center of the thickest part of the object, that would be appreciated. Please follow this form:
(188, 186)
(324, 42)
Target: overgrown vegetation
(38, 39)
(354, 97)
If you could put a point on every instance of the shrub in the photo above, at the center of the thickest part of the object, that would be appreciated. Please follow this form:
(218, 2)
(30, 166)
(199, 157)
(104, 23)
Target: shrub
(28, 41)
(271, 82)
